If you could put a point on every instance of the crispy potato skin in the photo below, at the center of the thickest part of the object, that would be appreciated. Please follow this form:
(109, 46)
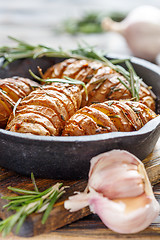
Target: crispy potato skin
(62, 109)
(46, 110)
(110, 116)
(102, 82)
(11, 89)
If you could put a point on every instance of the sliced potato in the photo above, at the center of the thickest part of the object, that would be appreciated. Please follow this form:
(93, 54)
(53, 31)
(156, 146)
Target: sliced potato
(109, 116)
(11, 89)
(103, 83)
(49, 107)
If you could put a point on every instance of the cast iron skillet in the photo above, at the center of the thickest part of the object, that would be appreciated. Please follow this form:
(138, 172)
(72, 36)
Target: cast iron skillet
(69, 157)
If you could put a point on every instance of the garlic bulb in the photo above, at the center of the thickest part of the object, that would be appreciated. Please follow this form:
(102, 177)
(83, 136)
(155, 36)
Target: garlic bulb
(118, 191)
(141, 29)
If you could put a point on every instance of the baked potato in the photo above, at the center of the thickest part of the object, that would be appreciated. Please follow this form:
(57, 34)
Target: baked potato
(102, 82)
(46, 110)
(54, 109)
(11, 89)
(110, 116)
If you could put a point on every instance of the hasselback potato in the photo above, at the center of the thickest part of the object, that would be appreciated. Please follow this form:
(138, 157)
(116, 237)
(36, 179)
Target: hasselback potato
(110, 116)
(54, 109)
(11, 89)
(46, 110)
(102, 82)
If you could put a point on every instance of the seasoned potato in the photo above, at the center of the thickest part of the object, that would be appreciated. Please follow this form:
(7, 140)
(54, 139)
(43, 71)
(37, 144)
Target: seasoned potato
(45, 110)
(63, 109)
(11, 89)
(102, 82)
(110, 116)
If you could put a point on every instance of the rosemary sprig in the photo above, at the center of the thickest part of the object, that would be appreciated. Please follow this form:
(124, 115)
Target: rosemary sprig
(134, 81)
(25, 50)
(29, 202)
(117, 61)
(89, 22)
(121, 81)
(61, 80)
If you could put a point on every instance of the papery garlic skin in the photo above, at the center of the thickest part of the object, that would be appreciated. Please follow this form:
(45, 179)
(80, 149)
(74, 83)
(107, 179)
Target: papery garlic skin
(77, 202)
(141, 29)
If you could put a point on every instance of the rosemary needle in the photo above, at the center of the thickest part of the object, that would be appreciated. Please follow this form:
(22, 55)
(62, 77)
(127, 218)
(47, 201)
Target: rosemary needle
(25, 50)
(34, 183)
(61, 80)
(27, 203)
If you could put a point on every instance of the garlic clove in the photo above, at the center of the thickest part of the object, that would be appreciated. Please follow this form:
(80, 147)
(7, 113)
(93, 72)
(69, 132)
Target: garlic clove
(141, 29)
(108, 169)
(126, 215)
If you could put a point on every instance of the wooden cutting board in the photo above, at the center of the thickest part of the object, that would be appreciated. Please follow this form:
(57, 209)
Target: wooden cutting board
(60, 217)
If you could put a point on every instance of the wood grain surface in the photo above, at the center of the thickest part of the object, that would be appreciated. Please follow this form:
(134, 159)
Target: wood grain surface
(90, 227)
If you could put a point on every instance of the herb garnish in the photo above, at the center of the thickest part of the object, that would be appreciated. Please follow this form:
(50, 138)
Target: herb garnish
(61, 80)
(29, 202)
(114, 116)
(3, 91)
(89, 22)
(25, 50)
